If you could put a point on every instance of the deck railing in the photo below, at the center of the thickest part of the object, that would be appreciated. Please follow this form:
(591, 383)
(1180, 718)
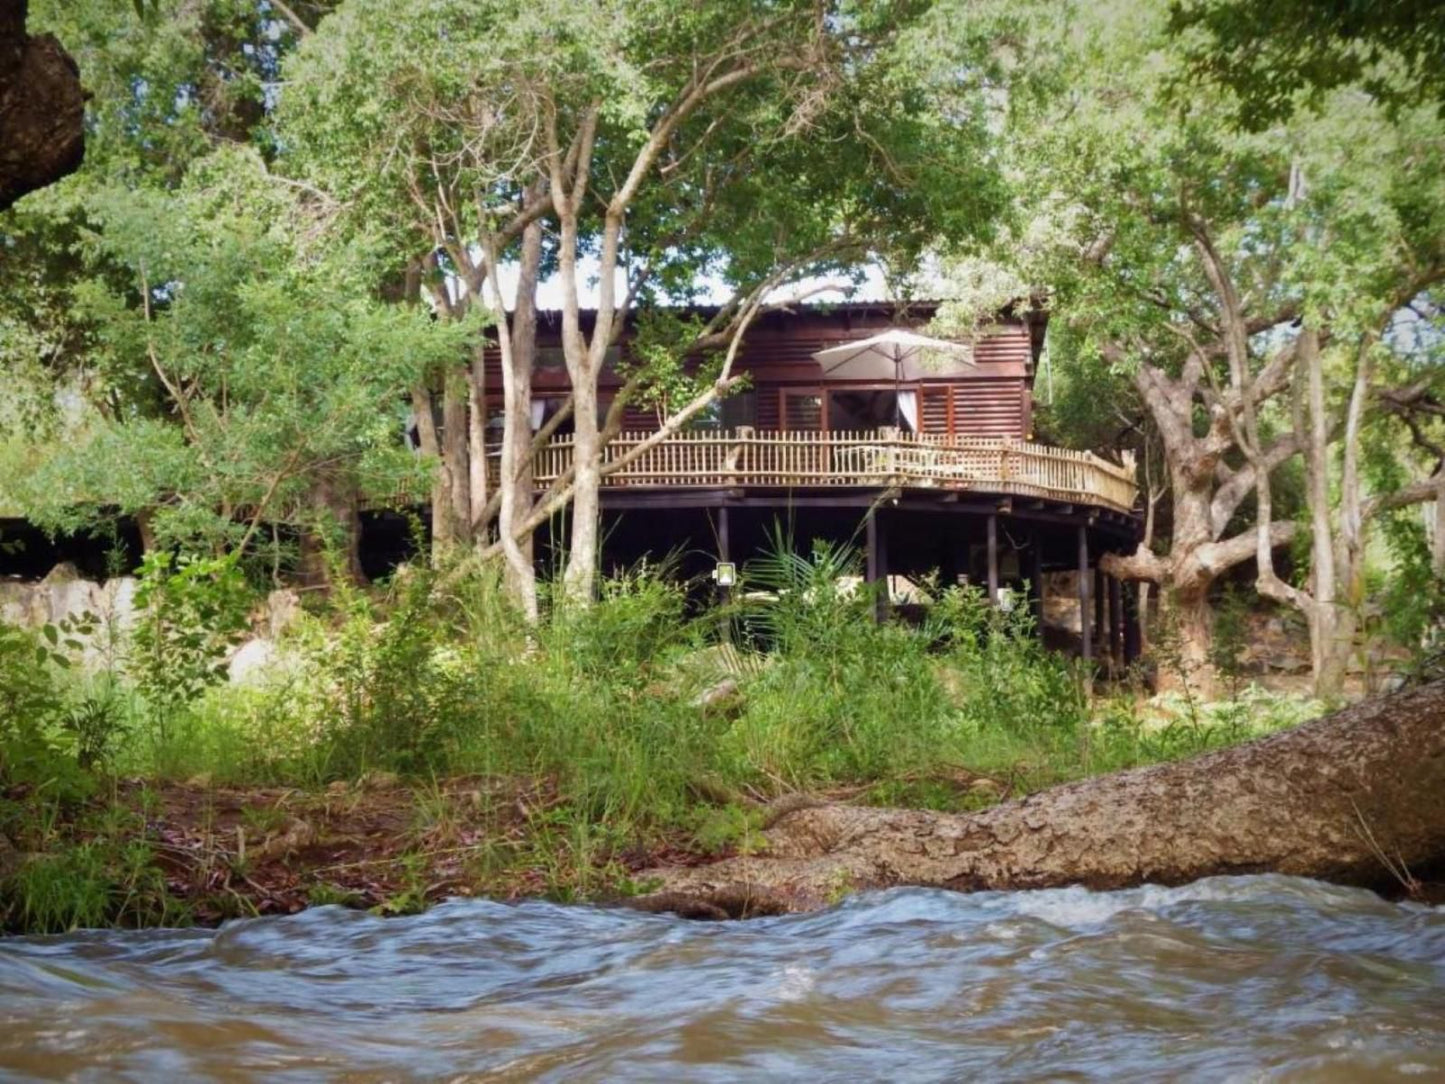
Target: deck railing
(710, 460)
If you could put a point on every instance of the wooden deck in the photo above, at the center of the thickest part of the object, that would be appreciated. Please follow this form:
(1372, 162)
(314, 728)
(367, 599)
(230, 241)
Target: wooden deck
(788, 460)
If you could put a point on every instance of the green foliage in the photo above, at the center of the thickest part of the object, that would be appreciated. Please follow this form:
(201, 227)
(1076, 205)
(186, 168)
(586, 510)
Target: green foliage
(1230, 637)
(276, 376)
(192, 610)
(1412, 596)
(1278, 55)
(95, 870)
(29, 700)
(597, 718)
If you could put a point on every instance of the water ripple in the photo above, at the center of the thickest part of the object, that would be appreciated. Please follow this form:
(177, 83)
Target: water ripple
(1239, 979)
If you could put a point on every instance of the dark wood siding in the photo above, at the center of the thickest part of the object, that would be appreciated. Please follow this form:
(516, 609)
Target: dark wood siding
(768, 416)
(989, 408)
(991, 399)
(934, 408)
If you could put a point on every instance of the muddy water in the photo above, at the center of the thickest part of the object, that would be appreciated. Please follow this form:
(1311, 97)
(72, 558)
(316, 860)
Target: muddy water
(1258, 978)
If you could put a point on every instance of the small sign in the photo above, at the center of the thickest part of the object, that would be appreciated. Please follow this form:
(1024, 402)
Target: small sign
(726, 574)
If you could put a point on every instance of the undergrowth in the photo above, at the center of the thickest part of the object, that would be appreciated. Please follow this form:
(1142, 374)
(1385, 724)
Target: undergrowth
(649, 721)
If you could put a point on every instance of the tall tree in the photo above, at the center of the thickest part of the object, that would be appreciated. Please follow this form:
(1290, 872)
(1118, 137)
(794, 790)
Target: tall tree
(753, 143)
(280, 375)
(1215, 269)
(1280, 55)
(169, 80)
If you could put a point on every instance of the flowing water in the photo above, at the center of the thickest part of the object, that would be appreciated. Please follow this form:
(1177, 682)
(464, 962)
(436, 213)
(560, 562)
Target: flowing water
(1251, 978)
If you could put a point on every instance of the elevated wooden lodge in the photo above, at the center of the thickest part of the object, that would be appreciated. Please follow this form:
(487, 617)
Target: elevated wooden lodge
(936, 472)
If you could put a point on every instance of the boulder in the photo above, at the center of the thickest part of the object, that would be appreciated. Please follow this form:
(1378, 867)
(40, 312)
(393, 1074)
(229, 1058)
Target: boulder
(277, 613)
(251, 661)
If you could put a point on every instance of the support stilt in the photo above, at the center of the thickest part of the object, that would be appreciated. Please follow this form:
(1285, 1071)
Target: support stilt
(1116, 624)
(1085, 637)
(993, 560)
(1133, 630)
(1036, 583)
(1101, 626)
(878, 564)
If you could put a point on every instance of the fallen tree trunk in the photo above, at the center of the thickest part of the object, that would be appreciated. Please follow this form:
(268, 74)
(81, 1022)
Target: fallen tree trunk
(1356, 797)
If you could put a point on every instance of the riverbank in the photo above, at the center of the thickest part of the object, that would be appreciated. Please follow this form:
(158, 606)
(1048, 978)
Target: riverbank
(404, 745)
(199, 852)
(183, 853)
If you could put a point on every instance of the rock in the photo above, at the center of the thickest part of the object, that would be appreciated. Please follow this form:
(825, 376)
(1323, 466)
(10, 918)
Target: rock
(61, 573)
(18, 603)
(1394, 682)
(297, 834)
(721, 695)
(119, 599)
(278, 613)
(250, 662)
(64, 594)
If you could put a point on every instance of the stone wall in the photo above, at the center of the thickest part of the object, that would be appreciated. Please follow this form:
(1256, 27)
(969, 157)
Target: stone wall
(65, 593)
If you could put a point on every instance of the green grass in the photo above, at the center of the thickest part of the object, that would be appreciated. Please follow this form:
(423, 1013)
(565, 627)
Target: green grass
(605, 706)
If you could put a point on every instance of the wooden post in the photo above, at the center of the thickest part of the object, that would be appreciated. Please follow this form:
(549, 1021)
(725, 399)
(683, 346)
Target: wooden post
(878, 564)
(1101, 624)
(724, 553)
(1133, 640)
(1116, 623)
(724, 541)
(948, 558)
(992, 559)
(1036, 582)
(1086, 641)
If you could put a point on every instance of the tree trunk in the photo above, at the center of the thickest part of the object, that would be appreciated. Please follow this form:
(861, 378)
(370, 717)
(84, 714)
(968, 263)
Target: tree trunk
(517, 454)
(452, 529)
(579, 580)
(42, 108)
(517, 340)
(476, 531)
(1189, 621)
(1344, 798)
(1437, 538)
(333, 541)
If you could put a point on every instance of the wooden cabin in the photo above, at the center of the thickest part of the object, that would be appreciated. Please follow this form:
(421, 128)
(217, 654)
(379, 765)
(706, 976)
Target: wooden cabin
(934, 473)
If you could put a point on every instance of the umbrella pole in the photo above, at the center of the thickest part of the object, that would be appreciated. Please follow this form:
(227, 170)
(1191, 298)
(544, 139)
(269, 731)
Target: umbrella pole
(897, 389)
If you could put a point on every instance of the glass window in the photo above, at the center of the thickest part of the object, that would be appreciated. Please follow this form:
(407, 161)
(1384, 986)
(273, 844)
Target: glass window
(740, 408)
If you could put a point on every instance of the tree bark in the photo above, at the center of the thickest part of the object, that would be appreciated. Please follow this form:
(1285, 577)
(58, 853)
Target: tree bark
(1437, 537)
(1344, 798)
(517, 340)
(517, 455)
(42, 108)
(332, 542)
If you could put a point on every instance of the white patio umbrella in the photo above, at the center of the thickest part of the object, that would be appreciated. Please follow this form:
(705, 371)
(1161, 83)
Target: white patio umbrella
(889, 354)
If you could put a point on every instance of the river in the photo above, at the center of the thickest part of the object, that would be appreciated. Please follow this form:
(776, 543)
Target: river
(1249, 978)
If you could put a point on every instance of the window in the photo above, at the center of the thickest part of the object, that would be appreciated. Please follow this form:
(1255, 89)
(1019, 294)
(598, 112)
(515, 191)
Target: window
(740, 408)
(802, 410)
(554, 358)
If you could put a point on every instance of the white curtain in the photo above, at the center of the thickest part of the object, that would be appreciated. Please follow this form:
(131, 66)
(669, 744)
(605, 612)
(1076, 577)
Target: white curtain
(539, 410)
(908, 407)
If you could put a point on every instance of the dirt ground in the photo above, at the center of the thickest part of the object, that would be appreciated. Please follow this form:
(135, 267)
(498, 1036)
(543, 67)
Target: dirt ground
(229, 851)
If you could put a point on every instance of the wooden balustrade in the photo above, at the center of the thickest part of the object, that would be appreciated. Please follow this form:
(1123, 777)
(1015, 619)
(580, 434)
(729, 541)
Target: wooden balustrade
(744, 457)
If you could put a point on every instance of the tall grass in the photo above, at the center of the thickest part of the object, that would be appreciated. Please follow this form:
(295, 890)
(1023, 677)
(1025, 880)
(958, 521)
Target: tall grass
(642, 715)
